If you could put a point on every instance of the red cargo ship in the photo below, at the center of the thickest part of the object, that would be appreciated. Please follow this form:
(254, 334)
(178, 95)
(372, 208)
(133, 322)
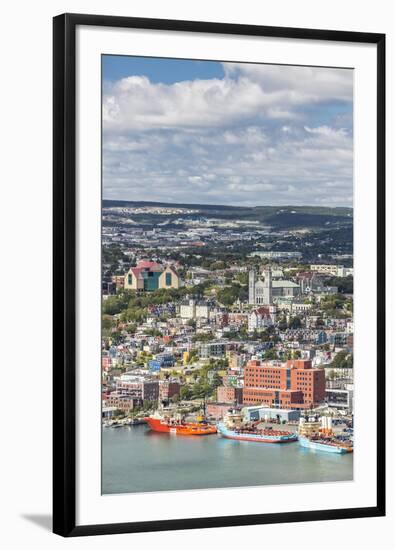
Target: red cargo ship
(178, 427)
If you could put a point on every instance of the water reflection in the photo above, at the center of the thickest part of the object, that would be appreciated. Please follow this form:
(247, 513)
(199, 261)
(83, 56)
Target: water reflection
(135, 459)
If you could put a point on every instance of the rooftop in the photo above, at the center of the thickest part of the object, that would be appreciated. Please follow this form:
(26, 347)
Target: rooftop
(284, 284)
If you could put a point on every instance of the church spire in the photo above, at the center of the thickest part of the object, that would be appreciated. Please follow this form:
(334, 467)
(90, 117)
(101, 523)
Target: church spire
(268, 290)
(251, 286)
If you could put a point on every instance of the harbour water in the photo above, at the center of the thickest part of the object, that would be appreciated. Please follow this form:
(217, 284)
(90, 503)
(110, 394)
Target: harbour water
(136, 459)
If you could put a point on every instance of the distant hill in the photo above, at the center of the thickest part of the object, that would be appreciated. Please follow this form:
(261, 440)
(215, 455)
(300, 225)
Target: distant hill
(108, 203)
(279, 217)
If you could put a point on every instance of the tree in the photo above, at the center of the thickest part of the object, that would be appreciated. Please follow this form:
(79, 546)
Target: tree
(345, 285)
(217, 380)
(349, 305)
(242, 278)
(116, 338)
(107, 324)
(227, 296)
(193, 355)
(201, 390)
(332, 375)
(282, 322)
(333, 305)
(271, 354)
(185, 393)
(148, 405)
(342, 360)
(294, 323)
(175, 398)
(217, 265)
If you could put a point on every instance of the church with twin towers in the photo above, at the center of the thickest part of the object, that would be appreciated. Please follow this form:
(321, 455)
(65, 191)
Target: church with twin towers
(260, 292)
(263, 290)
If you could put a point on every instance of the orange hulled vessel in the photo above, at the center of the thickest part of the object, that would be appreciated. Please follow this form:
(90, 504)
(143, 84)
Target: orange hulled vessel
(166, 424)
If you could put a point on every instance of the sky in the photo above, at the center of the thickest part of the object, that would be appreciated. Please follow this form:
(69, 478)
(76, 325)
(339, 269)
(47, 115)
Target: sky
(226, 133)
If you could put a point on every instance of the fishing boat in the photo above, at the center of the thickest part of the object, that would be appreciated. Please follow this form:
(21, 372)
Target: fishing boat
(326, 445)
(317, 434)
(166, 424)
(265, 435)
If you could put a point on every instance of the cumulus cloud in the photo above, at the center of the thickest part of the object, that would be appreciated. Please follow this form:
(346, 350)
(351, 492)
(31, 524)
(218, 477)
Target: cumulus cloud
(135, 102)
(298, 84)
(260, 135)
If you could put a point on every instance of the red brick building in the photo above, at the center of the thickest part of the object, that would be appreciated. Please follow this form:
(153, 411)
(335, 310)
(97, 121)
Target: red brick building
(147, 390)
(230, 394)
(106, 362)
(292, 385)
(167, 389)
(123, 402)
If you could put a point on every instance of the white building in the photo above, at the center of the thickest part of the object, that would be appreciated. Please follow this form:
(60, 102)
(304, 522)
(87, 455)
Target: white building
(328, 269)
(345, 271)
(277, 255)
(202, 310)
(261, 318)
(300, 307)
(350, 327)
(190, 309)
(342, 399)
(333, 270)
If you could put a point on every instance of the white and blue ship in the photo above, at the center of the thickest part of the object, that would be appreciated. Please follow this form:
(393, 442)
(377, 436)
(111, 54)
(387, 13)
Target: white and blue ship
(259, 436)
(317, 435)
(326, 446)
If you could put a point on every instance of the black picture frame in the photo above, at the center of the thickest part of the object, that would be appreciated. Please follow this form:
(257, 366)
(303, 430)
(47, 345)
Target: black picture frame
(64, 273)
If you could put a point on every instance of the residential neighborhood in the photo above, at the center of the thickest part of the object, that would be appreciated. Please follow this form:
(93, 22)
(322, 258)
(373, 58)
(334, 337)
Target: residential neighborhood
(195, 332)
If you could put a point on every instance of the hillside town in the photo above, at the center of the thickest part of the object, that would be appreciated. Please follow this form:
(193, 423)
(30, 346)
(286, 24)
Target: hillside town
(263, 332)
